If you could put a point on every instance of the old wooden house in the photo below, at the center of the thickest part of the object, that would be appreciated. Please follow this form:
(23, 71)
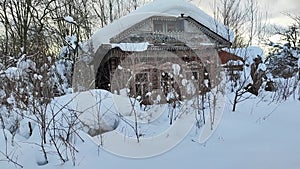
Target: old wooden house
(164, 47)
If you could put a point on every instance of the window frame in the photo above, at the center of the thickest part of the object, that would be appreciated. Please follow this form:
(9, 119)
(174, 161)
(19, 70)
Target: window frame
(168, 26)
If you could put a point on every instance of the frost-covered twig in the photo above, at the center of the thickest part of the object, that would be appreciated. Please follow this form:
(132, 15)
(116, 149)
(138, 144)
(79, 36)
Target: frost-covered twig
(8, 156)
(10, 160)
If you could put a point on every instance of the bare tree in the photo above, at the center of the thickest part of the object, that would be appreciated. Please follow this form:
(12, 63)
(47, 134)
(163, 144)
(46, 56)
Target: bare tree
(244, 19)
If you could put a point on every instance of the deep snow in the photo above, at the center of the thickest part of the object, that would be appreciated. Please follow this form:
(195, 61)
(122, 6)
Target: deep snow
(260, 135)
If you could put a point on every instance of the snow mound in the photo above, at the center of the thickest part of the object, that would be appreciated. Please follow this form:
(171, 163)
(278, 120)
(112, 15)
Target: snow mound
(69, 19)
(96, 110)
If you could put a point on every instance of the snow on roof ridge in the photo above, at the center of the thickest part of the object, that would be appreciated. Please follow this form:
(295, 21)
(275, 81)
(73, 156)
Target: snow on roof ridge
(158, 8)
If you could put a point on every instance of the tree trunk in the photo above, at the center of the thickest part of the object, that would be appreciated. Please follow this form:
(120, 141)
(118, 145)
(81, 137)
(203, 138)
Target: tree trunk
(235, 101)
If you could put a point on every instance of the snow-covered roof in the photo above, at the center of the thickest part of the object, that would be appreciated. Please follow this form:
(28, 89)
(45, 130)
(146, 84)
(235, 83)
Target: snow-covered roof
(158, 8)
(132, 46)
(248, 54)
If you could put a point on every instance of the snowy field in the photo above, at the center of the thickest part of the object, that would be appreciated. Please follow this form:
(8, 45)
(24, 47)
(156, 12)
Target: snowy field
(98, 129)
(260, 135)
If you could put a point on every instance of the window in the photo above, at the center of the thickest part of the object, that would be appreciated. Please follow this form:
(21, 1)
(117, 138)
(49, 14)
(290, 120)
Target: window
(155, 79)
(141, 90)
(141, 84)
(158, 26)
(141, 77)
(113, 63)
(168, 26)
(167, 82)
(195, 75)
(192, 75)
(180, 25)
(171, 26)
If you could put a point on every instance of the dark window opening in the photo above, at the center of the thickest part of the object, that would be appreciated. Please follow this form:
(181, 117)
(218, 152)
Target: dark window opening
(155, 79)
(195, 75)
(141, 77)
(167, 83)
(113, 63)
(141, 90)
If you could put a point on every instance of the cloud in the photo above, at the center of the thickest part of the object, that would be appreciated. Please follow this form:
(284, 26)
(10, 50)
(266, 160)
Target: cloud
(278, 10)
(278, 7)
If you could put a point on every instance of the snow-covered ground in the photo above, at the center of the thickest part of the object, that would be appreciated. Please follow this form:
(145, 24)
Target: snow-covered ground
(260, 135)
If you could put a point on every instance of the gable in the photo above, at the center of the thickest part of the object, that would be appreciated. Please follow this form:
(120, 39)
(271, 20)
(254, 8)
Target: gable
(179, 31)
(173, 8)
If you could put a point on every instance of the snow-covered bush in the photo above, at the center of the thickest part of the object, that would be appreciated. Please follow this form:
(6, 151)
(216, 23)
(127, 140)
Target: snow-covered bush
(283, 63)
(27, 88)
(61, 74)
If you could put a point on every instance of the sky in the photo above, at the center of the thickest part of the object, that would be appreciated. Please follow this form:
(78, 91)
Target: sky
(276, 9)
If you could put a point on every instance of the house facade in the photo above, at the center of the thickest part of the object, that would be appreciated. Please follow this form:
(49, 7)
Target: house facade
(161, 51)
